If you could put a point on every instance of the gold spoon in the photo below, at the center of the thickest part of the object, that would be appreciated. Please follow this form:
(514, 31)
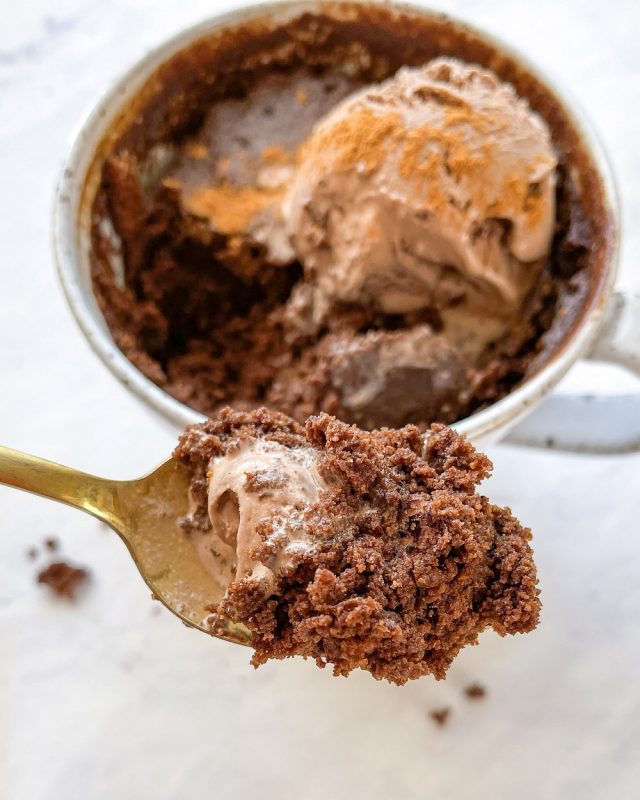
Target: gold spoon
(144, 513)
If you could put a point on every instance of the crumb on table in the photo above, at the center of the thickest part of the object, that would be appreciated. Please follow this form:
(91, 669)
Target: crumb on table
(440, 715)
(63, 579)
(475, 691)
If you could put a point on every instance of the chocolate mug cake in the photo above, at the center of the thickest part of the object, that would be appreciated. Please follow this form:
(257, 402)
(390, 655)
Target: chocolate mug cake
(359, 211)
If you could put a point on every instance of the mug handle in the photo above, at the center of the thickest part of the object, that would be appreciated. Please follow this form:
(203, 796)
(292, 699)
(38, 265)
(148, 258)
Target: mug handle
(594, 423)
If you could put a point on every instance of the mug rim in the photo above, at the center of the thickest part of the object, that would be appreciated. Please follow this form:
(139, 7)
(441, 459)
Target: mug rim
(71, 187)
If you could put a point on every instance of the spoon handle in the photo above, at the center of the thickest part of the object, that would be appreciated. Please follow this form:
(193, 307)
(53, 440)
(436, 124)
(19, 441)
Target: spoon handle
(97, 496)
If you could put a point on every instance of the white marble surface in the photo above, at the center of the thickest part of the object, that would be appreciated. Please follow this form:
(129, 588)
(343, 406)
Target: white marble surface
(113, 699)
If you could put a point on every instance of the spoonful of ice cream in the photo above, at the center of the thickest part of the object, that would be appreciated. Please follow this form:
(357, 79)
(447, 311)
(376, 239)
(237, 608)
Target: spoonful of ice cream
(367, 550)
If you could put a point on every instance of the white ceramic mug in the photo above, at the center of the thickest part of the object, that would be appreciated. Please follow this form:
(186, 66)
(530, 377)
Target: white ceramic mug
(530, 414)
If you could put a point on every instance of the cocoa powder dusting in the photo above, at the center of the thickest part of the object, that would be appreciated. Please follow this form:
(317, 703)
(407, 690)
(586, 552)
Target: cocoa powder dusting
(275, 154)
(196, 150)
(463, 116)
(231, 208)
(365, 138)
(360, 138)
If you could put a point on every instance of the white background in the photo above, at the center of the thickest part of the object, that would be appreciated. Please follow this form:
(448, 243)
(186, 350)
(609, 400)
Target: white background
(113, 699)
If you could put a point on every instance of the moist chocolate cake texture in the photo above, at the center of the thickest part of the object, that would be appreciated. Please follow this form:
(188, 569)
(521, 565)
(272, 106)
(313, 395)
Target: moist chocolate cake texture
(203, 292)
(393, 562)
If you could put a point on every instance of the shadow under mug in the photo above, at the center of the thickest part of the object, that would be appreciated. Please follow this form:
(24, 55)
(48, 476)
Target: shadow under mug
(531, 414)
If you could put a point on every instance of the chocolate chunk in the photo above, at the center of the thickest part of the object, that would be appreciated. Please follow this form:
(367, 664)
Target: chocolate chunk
(393, 378)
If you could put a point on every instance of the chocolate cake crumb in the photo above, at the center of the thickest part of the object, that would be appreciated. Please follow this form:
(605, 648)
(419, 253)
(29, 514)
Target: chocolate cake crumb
(63, 579)
(409, 563)
(32, 553)
(440, 716)
(51, 543)
(475, 691)
(261, 481)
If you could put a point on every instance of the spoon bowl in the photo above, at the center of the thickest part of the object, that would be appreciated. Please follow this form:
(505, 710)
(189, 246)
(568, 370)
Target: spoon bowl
(146, 514)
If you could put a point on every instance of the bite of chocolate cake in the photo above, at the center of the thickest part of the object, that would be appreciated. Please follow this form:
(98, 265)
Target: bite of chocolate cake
(368, 550)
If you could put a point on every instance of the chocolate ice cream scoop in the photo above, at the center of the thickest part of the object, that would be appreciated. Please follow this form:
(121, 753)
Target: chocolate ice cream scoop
(435, 188)
(253, 480)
